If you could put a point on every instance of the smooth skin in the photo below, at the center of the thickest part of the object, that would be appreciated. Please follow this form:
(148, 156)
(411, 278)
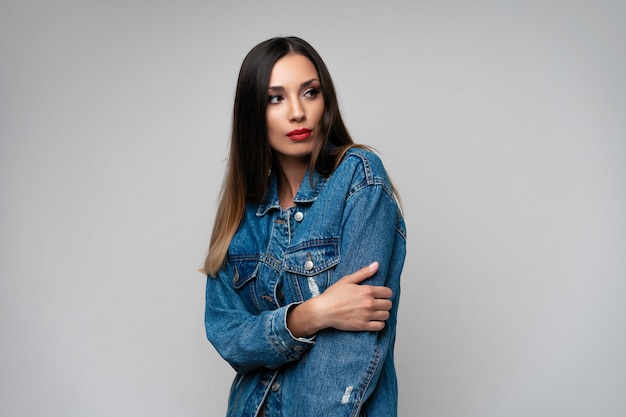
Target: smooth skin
(295, 101)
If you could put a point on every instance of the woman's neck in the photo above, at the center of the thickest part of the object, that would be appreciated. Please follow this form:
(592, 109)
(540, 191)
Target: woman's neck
(291, 174)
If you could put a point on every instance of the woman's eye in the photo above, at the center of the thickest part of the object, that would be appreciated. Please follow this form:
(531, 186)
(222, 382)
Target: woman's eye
(274, 99)
(313, 92)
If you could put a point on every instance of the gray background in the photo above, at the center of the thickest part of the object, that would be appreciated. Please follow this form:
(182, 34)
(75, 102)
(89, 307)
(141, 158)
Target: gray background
(502, 123)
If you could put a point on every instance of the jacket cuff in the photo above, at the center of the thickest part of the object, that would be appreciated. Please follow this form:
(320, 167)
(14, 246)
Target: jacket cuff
(281, 338)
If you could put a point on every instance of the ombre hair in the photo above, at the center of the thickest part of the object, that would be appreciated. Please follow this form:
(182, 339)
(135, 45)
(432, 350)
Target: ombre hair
(250, 160)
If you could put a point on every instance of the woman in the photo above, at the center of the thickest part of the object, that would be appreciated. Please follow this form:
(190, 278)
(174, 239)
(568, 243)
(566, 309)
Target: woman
(302, 208)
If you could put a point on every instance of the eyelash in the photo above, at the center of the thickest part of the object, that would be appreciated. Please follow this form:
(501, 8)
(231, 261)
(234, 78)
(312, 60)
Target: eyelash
(310, 93)
(274, 99)
(313, 91)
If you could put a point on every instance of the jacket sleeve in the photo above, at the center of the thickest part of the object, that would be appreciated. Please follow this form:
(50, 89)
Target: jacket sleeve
(351, 362)
(248, 341)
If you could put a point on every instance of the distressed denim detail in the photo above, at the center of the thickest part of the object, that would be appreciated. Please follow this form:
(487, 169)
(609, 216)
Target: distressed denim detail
(279, 258)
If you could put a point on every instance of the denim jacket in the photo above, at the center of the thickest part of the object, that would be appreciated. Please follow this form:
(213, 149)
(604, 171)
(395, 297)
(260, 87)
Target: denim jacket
(279, 258)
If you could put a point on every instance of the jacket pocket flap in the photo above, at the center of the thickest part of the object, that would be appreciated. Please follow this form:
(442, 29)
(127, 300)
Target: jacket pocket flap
(312, 257)
(245, 270)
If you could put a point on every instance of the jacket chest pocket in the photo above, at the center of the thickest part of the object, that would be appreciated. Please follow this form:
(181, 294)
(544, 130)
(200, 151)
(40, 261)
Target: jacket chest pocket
(244, 280)
(310, 265)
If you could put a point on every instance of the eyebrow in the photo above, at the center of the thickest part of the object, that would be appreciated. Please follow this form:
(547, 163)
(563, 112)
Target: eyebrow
(303, 85)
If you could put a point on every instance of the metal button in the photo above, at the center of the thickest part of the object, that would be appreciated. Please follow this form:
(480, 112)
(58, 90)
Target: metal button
(275, 386)
(298, 216)
(297, 348)
(308, 265)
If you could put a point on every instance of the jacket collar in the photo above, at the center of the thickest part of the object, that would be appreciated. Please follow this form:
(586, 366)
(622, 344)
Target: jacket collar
(307, 193)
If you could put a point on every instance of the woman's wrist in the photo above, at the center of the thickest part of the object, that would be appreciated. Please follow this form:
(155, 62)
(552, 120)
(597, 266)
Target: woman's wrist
(303, 319)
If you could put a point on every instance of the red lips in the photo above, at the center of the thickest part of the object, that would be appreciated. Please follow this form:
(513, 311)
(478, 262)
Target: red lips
(299, 134)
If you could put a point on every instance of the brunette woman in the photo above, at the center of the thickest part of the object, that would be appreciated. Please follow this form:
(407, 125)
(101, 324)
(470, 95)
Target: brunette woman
(306, 252)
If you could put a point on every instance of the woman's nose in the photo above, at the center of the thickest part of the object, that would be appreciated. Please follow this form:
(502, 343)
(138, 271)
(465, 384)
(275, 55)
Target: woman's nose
(296, 111)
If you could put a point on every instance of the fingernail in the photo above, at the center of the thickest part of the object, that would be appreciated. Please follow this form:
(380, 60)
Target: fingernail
(373, 265)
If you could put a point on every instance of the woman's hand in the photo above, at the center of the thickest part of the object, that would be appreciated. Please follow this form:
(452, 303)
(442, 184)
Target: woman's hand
(346, 305)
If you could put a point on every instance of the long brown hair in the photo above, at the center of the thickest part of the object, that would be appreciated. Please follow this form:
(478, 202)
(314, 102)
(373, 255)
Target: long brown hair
(250, 160)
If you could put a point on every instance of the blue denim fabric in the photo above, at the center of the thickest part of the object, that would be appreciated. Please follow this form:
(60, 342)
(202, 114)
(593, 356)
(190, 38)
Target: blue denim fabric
(279, 258)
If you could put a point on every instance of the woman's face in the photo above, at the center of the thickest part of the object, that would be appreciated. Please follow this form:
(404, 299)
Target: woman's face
(295, 108)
